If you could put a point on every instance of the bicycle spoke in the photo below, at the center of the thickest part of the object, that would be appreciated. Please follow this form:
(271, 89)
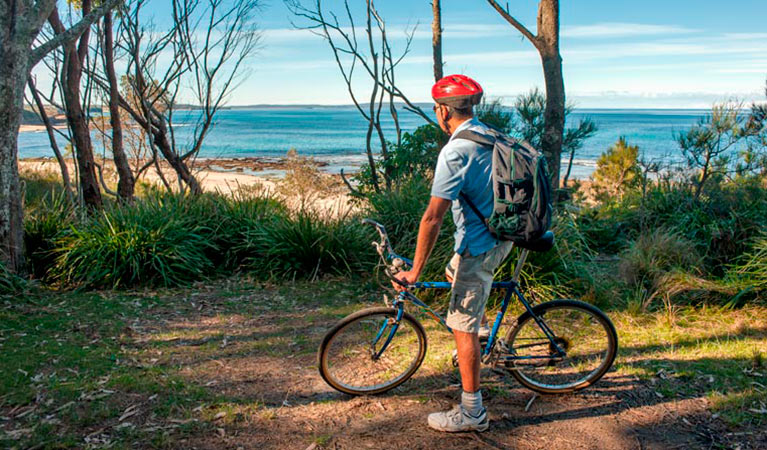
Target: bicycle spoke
(578, 332)
(349, 359)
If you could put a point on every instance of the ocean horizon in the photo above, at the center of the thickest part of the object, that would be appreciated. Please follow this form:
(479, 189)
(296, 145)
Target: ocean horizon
(335, 134)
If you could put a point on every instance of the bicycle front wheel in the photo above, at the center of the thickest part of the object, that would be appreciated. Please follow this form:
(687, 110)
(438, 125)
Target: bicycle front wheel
(350, 357)
(583, 332)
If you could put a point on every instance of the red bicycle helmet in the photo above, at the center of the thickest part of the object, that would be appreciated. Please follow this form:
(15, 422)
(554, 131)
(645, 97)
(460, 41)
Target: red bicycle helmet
(458, 91)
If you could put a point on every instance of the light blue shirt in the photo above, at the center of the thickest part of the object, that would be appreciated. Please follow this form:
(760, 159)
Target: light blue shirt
(465, 166)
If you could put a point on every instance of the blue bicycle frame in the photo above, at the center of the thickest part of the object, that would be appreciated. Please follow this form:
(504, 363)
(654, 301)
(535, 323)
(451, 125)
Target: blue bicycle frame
(511, 286)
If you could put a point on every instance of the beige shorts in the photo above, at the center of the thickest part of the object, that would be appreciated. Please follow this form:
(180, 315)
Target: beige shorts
(472, 280)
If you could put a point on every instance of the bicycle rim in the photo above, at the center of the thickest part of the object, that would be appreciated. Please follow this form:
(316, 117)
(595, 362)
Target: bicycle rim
(585, 333)
(348, 359)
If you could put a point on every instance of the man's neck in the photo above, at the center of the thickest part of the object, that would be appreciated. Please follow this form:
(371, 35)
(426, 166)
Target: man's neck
(453, 124)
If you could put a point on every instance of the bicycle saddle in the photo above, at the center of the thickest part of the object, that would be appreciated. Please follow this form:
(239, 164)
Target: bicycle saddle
(542, 244)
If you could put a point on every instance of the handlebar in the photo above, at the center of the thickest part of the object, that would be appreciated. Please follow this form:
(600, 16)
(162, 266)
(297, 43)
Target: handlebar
(386, 252)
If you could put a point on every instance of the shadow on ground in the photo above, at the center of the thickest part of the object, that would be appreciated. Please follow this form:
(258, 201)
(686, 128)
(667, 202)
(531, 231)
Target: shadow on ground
(259, 361)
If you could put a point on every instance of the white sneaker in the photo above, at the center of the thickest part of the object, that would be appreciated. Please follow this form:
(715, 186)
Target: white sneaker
(458, 420)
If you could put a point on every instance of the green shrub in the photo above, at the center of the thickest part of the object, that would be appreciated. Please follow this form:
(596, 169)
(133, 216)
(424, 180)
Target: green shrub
(751, 271)
(655, 254)
(10, 283)
(238, 215)
(43, 224)
(153, 242)
(494, 114)
(617, 171)
(39, 187)
(308, 245)
(414, 157)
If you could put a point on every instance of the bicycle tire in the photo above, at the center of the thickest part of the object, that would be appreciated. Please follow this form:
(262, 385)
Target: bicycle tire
(325, 352)
(541, 310)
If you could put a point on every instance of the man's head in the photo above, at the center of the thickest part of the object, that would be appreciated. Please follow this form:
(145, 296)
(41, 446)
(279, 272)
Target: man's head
(455, 97)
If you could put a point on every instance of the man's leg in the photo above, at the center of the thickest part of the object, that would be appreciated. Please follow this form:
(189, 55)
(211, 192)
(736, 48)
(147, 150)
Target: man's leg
(467, 304)
(473, 277)
(468, 359)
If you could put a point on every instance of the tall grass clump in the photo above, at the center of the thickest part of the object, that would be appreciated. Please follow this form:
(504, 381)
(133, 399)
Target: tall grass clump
(43, 224)
(153, 242)
(655, 254)
(750, 273)
(306, 244)
(10, 283)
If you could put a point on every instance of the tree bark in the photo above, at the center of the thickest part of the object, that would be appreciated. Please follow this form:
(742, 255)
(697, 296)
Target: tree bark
(554, 114)
(436, 40)
(72, 71)
(14, 60)
(126, 183)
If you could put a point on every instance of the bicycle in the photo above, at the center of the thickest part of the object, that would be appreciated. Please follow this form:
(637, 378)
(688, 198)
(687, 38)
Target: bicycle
(554, 347)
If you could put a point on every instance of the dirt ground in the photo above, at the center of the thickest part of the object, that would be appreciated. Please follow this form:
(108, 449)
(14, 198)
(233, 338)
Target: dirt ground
(263, 363)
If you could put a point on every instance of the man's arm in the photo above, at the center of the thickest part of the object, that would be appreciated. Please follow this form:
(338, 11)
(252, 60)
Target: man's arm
(428, 230)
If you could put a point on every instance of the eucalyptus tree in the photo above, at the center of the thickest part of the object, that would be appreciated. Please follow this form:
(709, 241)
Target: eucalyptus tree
(546, 42)
(20, 50)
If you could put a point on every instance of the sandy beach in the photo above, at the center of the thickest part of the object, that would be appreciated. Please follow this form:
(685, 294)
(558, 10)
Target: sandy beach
(229, 175)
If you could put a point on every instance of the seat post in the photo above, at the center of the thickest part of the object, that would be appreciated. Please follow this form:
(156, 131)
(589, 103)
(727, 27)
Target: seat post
(518, 266)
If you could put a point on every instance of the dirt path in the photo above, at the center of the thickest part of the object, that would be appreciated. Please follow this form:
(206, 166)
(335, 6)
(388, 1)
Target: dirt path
(262, 365)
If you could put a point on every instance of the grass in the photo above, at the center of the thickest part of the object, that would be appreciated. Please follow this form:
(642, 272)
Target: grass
(712, 352)
(73, 364)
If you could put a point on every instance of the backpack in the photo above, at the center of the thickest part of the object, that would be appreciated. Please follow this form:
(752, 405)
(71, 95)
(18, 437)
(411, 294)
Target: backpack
(521, 188)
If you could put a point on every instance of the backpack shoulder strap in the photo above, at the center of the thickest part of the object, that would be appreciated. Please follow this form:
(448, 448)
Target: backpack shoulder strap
(485, 140)
(481, 139)
(474, 208)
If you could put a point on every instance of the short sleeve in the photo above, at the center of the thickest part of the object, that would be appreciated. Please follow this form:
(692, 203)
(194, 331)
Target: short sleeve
(449, 175)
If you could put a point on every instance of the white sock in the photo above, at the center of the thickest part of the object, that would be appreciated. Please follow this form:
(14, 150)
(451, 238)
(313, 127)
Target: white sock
(472, 403)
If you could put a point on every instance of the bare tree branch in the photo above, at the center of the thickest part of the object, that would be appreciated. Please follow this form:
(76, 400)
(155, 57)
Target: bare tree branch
(514, 22)
(72, 32)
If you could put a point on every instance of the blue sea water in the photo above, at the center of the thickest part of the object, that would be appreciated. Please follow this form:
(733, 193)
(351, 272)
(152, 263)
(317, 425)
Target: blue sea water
(337, 134)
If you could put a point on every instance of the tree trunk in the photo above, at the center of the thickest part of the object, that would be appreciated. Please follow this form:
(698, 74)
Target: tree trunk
(51, 138)
(546, 41)
(14, 70)
(160, 138)
(554, 114)
(72, 70)
(436, 41)
(126, 183)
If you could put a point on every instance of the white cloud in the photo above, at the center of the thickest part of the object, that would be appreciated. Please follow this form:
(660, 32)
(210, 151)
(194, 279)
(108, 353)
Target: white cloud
(622, 29)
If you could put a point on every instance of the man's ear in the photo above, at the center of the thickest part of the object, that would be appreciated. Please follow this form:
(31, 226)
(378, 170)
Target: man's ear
(448, 113)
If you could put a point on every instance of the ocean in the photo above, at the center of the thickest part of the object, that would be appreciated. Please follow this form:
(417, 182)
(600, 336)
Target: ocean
(337, 134)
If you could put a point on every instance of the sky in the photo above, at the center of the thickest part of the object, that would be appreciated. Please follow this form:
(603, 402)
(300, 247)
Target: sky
(616, 54)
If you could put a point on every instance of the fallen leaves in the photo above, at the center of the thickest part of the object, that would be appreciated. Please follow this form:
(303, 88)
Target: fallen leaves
(129, 412)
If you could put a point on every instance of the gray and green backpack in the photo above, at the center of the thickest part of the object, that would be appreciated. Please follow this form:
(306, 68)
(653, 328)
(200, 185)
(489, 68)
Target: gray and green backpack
(521, 188)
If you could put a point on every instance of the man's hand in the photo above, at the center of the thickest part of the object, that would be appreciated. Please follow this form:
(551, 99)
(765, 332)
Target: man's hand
(408, 277)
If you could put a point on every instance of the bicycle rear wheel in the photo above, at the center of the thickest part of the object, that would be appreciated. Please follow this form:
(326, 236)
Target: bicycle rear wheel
(347, 355)
(584, 332)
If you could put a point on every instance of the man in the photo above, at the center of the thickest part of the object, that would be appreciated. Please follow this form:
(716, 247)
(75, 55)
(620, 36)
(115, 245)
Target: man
(462, 167)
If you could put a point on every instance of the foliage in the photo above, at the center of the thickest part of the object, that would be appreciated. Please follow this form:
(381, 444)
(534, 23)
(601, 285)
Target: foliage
(42, 226)
(652, 255)
(529, 110)
(153, 242)
(415, 157)
(303, 181)
(10, 283)
(751, 271)
(617, 171)
(308, 245)
(493, 113)
(709, 146)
